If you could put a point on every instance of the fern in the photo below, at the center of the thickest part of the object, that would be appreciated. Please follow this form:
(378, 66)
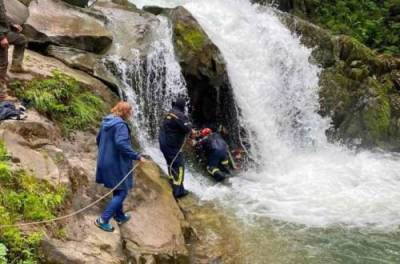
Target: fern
(62, 99)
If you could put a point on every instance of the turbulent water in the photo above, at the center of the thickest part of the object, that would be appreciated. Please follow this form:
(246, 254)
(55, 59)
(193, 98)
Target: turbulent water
(322, 202)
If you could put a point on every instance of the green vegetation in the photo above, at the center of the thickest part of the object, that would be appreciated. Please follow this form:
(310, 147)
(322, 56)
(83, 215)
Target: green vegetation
(190, 36)
(3, 254)
(374, 23)
(23, 198)
(64, 100)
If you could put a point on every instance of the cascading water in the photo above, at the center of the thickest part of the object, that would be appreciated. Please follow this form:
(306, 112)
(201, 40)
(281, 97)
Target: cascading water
(302, 179)
(150, 83)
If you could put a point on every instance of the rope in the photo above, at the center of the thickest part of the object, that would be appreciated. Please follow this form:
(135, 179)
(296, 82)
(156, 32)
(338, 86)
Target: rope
(177, 154)
(76, 212)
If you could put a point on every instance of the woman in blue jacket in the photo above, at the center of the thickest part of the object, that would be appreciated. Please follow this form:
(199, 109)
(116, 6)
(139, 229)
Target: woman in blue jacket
(114, 162)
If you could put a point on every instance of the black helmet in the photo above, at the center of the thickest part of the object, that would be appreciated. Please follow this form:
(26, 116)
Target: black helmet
(179, 103)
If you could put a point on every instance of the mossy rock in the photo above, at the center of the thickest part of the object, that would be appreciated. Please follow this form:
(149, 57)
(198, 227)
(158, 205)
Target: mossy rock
(189, 38)
(369, 119)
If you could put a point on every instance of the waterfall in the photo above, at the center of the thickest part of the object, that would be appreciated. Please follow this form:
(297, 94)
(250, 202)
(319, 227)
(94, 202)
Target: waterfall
(150, 83)
(303, 178)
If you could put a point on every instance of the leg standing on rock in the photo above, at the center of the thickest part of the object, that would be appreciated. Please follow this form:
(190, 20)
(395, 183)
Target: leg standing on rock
(10, 34)
(173, 131)
(114, 162)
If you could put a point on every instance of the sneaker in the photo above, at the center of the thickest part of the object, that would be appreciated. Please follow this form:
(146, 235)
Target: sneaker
(122, 220)
(103, 226)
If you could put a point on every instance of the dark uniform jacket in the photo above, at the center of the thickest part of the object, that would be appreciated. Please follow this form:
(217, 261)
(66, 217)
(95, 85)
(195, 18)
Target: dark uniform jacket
(174, 129)
(213, 143)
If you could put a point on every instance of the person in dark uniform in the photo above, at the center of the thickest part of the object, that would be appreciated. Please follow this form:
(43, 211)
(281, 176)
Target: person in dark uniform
(174, 129)
(217, 153)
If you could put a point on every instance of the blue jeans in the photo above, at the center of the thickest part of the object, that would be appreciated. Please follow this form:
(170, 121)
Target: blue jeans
(115, 206)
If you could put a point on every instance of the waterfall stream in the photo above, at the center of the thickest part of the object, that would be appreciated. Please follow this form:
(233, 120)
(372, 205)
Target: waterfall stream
(313, 196)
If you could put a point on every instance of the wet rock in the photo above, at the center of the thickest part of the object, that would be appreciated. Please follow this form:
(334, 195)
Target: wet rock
(204, 69)
(156, 232)
(54, 22)
(355, 86)
(131, 28)
(214, 237)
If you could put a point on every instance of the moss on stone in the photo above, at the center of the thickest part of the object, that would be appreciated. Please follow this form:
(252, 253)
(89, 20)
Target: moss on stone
(351, 50)
(23, 197)
(62, 99)
(189, 37)
(377, 115)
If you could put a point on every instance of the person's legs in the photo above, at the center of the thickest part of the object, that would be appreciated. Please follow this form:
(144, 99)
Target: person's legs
(20, 42)
(114, 205)
(119, 212)
(178, 173)
(224, 164)
(213, 164)
(3, 73)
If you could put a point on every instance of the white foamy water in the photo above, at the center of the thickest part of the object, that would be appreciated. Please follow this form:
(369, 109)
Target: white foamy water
(302, 178)
(151, 83)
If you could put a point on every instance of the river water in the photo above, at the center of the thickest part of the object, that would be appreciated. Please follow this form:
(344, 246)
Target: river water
(308, 201)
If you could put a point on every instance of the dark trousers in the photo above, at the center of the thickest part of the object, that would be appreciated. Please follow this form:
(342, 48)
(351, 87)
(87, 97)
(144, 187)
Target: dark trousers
(115, 206)
(217, 164)
(176, 170)
(19, 41)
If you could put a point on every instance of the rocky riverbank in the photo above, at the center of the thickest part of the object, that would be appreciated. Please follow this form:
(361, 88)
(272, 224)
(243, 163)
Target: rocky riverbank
(69, 47)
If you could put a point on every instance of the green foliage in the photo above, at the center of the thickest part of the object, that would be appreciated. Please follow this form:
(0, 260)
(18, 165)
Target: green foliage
(24, 198)
(3, 254)
(62, 99)
(373, 23)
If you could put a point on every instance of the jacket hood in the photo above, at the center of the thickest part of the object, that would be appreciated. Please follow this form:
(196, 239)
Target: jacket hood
(179, 103)
(111, 120)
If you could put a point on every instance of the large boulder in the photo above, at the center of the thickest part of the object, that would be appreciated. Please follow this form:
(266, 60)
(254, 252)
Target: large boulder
(55, 22)
(357, 86)
(84, 243)
(156, 231)
(132, 30)
(17, 13)
(131, 27)
(25, 141)
(42, 66)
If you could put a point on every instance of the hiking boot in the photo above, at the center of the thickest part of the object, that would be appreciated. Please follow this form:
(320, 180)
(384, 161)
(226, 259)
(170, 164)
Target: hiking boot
(182, 194)
(103, 226)
(18, 69)
(122, 220)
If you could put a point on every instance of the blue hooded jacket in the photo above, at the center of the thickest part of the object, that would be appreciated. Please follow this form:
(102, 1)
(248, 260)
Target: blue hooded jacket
(115, 154)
